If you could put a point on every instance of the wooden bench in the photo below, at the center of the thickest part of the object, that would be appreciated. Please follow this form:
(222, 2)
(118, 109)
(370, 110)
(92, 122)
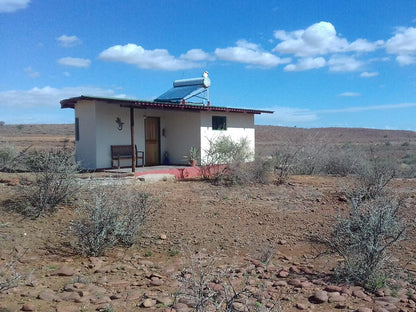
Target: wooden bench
(124, 152)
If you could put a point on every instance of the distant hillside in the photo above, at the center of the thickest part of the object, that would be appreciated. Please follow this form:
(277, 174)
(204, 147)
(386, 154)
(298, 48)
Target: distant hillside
(265, 135)
(275, 134)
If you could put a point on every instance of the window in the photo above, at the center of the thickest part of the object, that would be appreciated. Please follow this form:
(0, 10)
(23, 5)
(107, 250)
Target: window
(76, 129)
(219, 123)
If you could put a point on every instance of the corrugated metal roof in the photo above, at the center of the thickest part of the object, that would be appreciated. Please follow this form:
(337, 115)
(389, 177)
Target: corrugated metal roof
(71, 102)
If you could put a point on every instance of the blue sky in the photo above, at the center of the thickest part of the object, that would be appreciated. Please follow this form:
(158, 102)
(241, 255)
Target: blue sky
(315, 63)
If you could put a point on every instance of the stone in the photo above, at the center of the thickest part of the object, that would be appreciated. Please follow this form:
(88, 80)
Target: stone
(238, 306)
(148, 303)
(166, 301)
(300, 306)
(321, 296)
(283, 274)
(47, 295)
(156, 281)
(65, 271)
(163, 236)
(333, 288)
(361, 295)
(364, 309)
(28, 307)
(336, 297)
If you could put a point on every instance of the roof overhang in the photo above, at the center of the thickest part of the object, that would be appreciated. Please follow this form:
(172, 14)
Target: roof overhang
(71, 102)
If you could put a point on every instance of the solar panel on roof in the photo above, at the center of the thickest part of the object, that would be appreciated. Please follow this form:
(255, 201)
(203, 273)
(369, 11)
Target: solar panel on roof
(185, 89)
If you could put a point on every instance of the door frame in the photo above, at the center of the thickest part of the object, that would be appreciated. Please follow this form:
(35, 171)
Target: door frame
(158, 140)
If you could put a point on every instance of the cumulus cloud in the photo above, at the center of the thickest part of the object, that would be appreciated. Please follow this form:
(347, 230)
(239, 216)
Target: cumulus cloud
(350, 94)
(403, 44)
(74, 61)
(148, 59)
(306, 64)
(343, 63)
(8, 6)
(49, 96)
(368, 74)
(41, 105)
(319, 39)
(68, 41)
(249, 53)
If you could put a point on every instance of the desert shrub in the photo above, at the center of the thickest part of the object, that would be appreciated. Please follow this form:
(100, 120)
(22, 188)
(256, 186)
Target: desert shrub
(225, 161)
(363, 238)
(341, 161)
(110, 215)
(372, 177)
(54, 182)
(9, 276)
(11, 159)
(209, 286)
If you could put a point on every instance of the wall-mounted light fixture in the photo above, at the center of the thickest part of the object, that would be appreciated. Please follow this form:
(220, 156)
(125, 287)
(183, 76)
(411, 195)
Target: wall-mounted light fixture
(119, 123)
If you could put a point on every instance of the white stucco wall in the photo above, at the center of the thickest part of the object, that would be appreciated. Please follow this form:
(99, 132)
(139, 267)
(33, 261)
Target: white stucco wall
(85, 148)
(239, 125)
(182, 130)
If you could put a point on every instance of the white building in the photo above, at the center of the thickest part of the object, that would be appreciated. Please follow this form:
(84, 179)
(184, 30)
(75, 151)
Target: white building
(168, 126)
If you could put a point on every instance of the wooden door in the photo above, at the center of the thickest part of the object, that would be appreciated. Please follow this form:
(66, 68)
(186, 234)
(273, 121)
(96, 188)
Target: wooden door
(152, 141)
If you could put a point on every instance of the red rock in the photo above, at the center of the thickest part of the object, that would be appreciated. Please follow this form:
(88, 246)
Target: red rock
(283, 274)
(360, 294)
(321, 296)
(65, 271)
(333, 288)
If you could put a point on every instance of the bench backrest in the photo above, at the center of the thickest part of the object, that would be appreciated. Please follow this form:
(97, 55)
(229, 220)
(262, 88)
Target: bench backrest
(121, 150)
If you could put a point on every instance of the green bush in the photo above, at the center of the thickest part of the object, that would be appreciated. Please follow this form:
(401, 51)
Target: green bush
(110, 215)
(225, 161)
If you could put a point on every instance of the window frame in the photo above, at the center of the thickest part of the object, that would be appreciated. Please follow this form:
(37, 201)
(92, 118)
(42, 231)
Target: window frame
(219, 123)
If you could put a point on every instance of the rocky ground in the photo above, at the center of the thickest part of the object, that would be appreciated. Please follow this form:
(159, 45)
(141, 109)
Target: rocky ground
(253, 240)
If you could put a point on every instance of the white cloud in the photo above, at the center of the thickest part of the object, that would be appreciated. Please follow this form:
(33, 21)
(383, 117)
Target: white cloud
(319, 39)
(68, 41)
(306, 64)
(406, 59)
(362, 45)
(287, 116)
(74, 61)
(368, 74)
(342, 63)
(49, 96)
(197, 55)
(350, 94)
(8, 6)
(31, 72)
(147, 59)
(249, 53)
(41, 105)
(403, 44)
(357, 109)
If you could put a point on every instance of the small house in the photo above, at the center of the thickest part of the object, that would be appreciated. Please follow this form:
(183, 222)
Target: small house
(163, 130)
